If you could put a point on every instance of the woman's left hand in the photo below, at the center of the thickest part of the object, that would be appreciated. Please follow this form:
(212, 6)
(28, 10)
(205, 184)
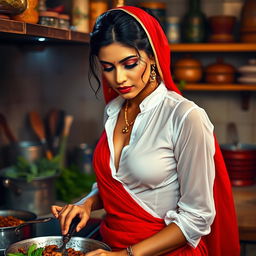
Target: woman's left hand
(101, 252)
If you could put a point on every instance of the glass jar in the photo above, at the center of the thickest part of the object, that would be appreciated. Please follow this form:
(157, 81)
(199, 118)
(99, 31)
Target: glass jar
(173, 29)
(50, 19)
(64, 21)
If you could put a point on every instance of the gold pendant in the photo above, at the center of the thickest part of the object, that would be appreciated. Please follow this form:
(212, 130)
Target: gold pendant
(125, 129)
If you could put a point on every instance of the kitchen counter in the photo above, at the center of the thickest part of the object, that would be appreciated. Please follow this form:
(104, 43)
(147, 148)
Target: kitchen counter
(245, 203)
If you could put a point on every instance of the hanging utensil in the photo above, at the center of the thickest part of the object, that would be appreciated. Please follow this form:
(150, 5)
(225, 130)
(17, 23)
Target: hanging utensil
(63, 144)
(6, 129)
(38, 127)
(59, 129)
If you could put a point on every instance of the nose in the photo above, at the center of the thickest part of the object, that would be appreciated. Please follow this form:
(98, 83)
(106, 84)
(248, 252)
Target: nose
(120, 76)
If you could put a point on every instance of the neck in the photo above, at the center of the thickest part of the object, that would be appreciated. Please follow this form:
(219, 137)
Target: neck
(147, 90)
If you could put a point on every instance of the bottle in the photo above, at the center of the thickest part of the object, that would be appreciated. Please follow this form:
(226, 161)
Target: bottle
(173, 29)
(118, 3)
(194, 23)
(97, 7)
(80, 15)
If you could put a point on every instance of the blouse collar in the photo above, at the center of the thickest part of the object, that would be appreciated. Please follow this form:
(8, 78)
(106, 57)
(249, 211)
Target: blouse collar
(153, 99)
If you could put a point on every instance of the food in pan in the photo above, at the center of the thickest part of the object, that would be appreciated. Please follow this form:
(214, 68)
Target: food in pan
(49, 250)
(9, 221)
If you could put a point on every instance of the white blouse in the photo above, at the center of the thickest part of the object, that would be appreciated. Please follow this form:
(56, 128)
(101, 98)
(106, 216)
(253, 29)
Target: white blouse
(168, 166)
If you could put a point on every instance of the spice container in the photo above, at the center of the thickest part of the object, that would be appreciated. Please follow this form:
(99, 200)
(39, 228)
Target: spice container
(173, 29)
(64, 21)
(50, 19)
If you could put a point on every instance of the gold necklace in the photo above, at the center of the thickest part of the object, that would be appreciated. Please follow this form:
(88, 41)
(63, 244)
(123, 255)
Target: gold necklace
(127, 124)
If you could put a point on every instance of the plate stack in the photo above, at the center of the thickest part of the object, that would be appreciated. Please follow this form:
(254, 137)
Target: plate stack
(248, 73)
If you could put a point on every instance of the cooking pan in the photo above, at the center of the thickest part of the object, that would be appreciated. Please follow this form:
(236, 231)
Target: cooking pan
(9, 235)
(77, 243)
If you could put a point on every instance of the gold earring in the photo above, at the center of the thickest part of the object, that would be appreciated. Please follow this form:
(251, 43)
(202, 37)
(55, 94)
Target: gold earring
(152, 77)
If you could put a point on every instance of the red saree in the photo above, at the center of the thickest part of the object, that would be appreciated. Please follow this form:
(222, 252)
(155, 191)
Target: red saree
(126, 222)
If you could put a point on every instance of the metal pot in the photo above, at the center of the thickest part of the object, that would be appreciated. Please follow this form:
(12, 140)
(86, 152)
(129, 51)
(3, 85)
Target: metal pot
(240, 160)
(9, 235)
(37, 195)
(77, 243)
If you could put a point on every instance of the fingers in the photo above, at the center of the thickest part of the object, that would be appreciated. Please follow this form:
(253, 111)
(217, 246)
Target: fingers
(55, 209)
(98, 252)
(68, 213)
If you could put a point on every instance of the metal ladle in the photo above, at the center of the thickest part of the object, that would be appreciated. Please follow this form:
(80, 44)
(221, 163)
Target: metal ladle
(67, 237)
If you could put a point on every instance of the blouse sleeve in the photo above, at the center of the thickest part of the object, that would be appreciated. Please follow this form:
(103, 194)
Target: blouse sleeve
(194, 151)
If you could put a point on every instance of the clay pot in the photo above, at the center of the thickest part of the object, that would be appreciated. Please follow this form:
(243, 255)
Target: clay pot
(220, 73)
(188, 69)
(222, 27)
(248, 22)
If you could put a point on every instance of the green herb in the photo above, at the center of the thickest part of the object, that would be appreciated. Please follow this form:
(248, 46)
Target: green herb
(72, 183)
(29, 171)
(32, 251)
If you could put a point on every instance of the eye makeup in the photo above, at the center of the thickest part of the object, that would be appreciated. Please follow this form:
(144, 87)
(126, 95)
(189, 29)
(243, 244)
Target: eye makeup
(128, 62)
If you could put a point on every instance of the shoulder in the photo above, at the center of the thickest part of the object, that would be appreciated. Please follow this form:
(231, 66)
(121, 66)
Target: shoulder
(183, 110)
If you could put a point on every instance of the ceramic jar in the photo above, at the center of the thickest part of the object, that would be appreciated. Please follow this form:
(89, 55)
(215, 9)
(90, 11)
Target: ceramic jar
(30, 15)
(12, 6)
(248, 22)
(188, 69)
(220, 73)
(222, 27)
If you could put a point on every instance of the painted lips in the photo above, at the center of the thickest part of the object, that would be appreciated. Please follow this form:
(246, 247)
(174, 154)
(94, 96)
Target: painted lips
(125, 89)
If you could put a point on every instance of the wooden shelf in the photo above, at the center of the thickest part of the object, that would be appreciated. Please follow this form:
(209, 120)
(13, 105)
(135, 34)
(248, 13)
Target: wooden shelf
(214, 47)
(218, 87)
(10, 29)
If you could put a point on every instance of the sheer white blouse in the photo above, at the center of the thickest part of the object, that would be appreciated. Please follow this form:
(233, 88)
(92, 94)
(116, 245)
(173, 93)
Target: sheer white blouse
(168, 166)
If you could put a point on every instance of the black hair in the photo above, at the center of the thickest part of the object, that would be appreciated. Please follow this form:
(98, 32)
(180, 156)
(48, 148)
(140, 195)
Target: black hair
(116, 26)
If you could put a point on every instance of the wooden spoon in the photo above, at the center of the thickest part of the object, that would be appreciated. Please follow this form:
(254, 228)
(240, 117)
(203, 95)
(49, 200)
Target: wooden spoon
(38, 127)
(7, 130)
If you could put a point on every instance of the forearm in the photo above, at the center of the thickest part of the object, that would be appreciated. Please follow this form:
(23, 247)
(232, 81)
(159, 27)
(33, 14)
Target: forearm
(168, 239)
(93, 200)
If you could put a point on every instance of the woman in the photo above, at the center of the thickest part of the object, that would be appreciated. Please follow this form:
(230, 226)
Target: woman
(160, 174)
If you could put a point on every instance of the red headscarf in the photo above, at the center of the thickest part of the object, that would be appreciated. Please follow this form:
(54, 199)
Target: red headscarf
(223, 239)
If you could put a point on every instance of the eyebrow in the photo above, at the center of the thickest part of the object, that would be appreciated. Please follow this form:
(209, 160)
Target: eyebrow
(121, 61)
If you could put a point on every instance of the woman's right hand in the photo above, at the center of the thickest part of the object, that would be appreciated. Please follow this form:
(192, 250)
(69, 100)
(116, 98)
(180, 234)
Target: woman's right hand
(66, 214)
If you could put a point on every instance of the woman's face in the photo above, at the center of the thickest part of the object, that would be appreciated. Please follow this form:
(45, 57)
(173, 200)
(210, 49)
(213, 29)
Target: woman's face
(126, 71)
